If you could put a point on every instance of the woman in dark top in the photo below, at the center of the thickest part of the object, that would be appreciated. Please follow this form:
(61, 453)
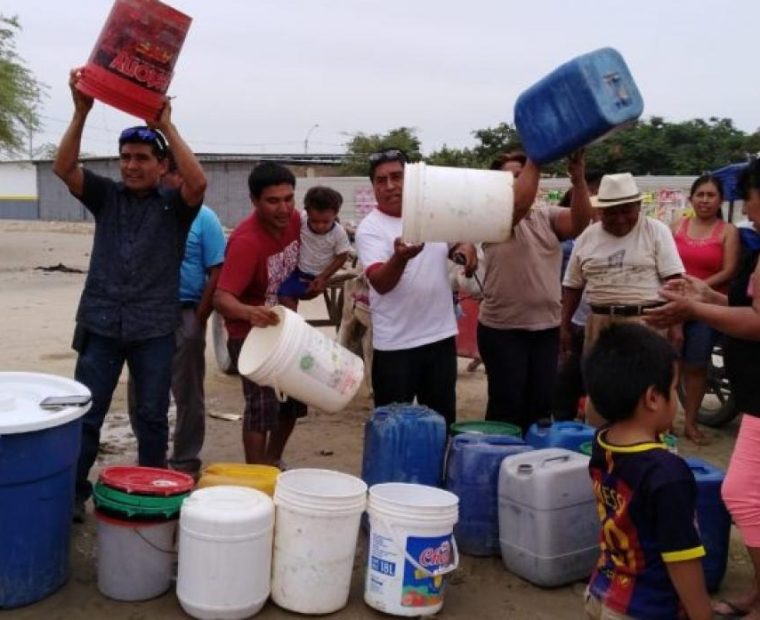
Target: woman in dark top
(737, 315)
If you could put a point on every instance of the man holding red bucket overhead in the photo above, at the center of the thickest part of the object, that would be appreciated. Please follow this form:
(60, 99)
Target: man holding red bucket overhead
(129, 308)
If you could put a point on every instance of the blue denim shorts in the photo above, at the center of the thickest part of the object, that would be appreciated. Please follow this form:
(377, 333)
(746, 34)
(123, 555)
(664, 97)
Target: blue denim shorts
(296, 284)
(698, 342)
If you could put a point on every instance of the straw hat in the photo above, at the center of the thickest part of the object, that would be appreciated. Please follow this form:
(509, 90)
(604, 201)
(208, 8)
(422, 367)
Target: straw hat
(616, 189)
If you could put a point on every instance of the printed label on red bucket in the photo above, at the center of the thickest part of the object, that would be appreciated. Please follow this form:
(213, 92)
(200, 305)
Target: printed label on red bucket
(141, 42)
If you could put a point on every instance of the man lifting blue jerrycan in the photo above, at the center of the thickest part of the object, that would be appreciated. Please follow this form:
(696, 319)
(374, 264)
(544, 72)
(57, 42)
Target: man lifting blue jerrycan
(579, 102)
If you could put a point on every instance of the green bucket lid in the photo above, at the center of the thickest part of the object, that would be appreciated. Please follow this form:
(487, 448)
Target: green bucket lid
(486, 427)
(137, 506)
(585, 448)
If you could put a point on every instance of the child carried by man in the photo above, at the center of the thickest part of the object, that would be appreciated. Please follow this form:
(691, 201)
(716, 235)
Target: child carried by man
(324, 247)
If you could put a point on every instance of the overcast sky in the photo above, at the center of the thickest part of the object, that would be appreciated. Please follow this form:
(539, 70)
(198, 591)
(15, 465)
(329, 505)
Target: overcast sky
(257, 75)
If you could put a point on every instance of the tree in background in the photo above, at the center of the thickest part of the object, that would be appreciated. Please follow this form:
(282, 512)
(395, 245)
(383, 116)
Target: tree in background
(362, 146)
(20, 93)
(653, 146)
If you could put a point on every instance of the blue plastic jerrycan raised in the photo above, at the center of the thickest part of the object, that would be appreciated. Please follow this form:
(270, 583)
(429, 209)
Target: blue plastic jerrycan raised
(404, 443)
(472, 474)
(713, 520)
(577, 103)
(568, 435)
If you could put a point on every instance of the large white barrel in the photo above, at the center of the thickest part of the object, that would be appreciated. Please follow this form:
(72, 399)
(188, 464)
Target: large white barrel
(225, 552)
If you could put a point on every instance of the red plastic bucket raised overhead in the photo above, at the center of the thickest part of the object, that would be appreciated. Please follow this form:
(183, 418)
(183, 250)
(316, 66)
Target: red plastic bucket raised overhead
(133, 61)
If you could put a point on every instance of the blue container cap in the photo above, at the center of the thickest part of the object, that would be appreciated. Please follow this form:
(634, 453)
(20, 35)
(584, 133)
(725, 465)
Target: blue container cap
(21, 394)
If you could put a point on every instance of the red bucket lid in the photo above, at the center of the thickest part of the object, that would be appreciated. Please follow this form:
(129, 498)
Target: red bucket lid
(146, 480)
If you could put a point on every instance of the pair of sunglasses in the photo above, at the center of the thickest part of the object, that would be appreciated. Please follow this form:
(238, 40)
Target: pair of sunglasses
(145, 135)
(388, 155)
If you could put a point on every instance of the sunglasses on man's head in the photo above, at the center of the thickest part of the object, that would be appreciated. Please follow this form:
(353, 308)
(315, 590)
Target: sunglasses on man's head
(145, 135)
(388, 155)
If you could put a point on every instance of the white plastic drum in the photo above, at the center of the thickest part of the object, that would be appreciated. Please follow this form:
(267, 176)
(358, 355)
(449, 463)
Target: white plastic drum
(225, 552)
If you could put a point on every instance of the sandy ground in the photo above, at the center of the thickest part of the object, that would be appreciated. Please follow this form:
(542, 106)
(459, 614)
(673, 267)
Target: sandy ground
(37, 311)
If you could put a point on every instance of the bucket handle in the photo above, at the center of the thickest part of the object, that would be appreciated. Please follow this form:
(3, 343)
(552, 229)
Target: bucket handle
(154, 546)
(281, 396)
(443, 570)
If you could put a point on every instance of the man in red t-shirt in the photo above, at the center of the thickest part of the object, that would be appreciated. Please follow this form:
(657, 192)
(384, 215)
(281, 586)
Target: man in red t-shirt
(261, 253)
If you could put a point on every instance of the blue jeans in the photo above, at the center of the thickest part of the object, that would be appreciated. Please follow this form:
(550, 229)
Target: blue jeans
(99, 365)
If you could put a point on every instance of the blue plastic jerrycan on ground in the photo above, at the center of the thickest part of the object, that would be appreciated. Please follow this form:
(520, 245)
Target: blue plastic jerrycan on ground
(577, 103)
(568, 435)
(472, 474)
(404, 443)
(713, 520)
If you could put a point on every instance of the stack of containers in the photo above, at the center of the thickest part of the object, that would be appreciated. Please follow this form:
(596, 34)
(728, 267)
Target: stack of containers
(548, 522)
(472, 474)
(137, 510)
(404, 443)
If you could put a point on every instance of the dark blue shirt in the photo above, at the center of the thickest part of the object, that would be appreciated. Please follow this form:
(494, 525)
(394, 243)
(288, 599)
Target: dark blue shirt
(132, 288)
(646, 498)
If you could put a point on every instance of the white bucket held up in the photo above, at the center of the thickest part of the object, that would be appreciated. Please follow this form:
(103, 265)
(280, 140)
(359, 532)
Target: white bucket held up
(134, 558)
(456, 204)
(411, 548)
(225, 552)
(298, 360)
(317, 514)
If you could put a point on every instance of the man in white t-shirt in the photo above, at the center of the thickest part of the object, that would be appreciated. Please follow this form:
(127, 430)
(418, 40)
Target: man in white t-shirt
(411, 300)
(621, 261)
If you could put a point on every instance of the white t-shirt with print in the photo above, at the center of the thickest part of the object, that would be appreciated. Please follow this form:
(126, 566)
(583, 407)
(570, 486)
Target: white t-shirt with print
(318, 251)
(419, 310)
(625, 270)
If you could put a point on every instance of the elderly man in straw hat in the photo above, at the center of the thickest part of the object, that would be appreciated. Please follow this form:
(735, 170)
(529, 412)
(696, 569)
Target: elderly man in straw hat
(621, 261)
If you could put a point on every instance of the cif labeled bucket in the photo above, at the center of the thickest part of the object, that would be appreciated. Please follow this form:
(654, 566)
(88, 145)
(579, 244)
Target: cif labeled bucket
(300, 361)
(577, 103)
(456, 204)
(317, 514)
(411, 548)
(39, 449)
(132, 63)
(137, 510)
(260, 477)
(225, 552)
